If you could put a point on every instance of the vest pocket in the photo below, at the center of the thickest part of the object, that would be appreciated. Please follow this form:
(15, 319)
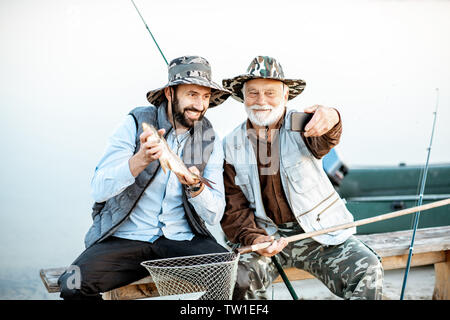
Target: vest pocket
(243, 181)
(300, 176)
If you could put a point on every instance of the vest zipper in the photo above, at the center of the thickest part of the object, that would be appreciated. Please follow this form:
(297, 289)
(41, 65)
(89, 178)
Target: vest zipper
(318, 215)
(328, 197)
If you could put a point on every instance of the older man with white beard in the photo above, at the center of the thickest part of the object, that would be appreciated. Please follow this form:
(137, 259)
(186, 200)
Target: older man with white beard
(275, 187)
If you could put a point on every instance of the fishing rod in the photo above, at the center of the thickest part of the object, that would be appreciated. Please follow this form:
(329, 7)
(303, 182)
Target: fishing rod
(259, 246)
(167, 63)
(422, 188)
(151, 34)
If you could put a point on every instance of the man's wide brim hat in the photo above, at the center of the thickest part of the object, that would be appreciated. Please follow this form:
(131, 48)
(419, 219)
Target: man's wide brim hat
(190, 70)
(263, 67)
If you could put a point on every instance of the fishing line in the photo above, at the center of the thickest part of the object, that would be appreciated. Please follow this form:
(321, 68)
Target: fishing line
(422, 170)
(165, 60)
(422, 188)
(151, 34)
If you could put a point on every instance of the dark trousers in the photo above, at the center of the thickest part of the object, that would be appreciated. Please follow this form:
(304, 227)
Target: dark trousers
(115, 262)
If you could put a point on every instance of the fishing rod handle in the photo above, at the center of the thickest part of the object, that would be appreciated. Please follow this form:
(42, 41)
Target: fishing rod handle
(254, 247)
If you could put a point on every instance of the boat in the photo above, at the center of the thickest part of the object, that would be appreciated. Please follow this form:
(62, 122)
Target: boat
(373, 190)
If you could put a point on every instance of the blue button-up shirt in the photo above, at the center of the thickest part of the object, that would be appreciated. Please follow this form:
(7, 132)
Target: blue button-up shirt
(160, 210)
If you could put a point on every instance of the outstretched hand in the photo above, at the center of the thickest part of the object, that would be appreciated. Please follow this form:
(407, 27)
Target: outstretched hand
(324, 119)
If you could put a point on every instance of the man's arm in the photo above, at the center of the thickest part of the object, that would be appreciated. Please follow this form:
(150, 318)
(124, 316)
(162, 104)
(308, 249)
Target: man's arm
(112, 174)
(210, 203)
(238, 222)
(119, 165)
(324, 130)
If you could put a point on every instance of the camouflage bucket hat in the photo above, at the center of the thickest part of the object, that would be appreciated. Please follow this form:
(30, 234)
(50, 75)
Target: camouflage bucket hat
(190, 70)
(263, 67)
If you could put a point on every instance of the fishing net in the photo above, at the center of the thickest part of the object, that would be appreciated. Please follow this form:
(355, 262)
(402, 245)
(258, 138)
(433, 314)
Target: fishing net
(212, 276)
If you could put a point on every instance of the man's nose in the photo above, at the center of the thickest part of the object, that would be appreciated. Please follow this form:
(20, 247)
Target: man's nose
(198, 104)
(261, 101)
(203, 103)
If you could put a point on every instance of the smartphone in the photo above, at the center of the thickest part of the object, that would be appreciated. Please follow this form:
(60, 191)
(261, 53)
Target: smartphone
(299, 120)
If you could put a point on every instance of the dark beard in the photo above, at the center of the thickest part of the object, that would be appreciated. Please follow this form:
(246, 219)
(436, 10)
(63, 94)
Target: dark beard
(180, 117)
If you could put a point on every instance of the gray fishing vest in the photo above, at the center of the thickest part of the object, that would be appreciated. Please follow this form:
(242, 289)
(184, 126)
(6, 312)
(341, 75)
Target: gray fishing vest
(311, 196)
(109, 215)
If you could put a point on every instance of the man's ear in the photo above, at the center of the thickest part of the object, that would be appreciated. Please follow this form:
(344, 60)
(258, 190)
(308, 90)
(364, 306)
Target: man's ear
(168, 94)
(286, 93)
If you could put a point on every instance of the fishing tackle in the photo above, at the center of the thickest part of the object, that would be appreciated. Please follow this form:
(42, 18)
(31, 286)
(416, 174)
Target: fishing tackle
(165, 60)
(422, 188)
(151, 34)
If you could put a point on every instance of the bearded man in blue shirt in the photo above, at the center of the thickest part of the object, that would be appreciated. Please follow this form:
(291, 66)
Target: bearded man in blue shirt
(140, 212)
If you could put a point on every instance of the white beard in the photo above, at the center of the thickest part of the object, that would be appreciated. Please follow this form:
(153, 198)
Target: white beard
(264, 118)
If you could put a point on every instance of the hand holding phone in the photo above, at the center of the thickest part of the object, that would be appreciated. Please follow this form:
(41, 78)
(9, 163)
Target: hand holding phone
(318, 119)
(299, 120)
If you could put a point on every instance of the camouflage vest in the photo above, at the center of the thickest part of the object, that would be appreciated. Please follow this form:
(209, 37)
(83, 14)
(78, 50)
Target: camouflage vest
(109, 215)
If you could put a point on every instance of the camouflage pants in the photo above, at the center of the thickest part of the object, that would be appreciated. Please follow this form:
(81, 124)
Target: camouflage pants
(350, 270)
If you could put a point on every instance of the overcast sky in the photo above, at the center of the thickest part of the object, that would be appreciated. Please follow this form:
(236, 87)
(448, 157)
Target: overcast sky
(77, 67)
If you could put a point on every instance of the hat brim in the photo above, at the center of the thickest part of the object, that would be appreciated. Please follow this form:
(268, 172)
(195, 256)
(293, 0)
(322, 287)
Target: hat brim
(218, 93)
(296, 86)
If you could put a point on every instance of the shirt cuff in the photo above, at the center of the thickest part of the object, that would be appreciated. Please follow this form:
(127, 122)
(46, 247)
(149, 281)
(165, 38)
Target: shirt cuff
(337, 123)
(200, 199)
(207, 206)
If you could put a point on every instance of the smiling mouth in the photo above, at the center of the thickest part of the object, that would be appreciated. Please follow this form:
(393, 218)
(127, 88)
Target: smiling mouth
(192, 114)
(262, 110)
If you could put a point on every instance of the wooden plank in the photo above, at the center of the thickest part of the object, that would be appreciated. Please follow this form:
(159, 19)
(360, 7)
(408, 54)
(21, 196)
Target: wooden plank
(419, 259)
(398, 242)
(50, 278)
(442, 276)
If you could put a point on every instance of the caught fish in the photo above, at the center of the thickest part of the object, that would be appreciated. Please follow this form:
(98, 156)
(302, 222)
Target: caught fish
(169, 160)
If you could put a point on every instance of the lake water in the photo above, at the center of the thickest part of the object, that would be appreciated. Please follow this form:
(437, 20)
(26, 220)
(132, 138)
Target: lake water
(71, 70)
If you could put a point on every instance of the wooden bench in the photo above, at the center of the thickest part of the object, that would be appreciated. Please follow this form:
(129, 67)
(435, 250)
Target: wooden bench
(431, 247)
